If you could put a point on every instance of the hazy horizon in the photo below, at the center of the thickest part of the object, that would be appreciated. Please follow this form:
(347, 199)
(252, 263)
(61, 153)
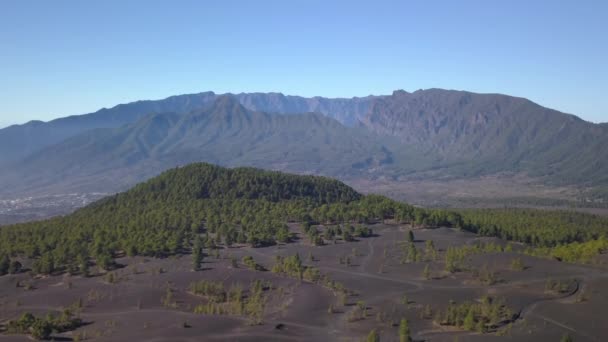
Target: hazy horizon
(237, 92)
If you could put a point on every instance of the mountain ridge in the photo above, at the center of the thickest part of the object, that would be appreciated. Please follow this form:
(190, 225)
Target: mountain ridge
(500, 133)
(17, 141)
(425, 133)
(224, 133)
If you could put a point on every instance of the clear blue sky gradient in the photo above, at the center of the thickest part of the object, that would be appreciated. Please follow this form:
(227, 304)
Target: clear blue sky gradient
(60, 58)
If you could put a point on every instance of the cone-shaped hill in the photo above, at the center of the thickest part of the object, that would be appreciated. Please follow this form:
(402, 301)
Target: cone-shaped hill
(165, 214)
(199, 204)
(202, 181)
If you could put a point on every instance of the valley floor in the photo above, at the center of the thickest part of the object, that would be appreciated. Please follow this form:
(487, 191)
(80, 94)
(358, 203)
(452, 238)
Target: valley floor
(493, 191)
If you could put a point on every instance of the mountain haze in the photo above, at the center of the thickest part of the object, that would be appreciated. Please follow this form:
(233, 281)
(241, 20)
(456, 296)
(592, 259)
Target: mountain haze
(433, 133)
(225, 133)
(18, 141)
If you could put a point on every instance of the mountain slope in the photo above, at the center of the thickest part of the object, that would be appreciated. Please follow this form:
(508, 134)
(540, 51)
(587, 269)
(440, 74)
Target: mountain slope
(18, 141)
(224, 133)
(426, 134)
(485, 133)
(166, 213)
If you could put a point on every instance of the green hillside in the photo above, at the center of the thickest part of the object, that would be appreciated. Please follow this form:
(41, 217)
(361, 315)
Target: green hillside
(164, 215)
(202, 204)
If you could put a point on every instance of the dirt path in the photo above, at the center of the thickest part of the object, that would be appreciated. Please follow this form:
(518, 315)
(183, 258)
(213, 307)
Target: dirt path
(583, 274)
(416, 284)
(111, 314)
(525, 312)
(223, 337)
(420, 285)
(529, 311)
(552, 321)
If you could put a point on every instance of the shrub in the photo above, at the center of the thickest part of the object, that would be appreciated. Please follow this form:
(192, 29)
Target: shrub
(250, 262)
(517, 264)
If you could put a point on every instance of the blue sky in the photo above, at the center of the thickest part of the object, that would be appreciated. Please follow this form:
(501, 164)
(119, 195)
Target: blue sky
(59, 58)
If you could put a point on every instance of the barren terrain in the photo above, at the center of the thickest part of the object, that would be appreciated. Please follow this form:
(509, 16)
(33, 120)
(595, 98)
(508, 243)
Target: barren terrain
(133, 305)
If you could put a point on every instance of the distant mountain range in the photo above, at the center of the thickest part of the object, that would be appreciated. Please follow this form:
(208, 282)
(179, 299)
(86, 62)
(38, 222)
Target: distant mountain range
(223, 133)
(18, 141)
(427, 133)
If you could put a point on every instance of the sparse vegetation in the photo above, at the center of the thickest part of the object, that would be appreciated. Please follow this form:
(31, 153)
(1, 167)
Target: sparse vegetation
(110, 278)
(251, 264)
(430, 253)
(481, 317)
(373, 336)
(213, 291)
(359, 312)
(456, 256)
(566, 338)
(412, 253)
(404, 299)
(42, 328)
(560, 286)
(363, 231)
(199, 218)
(234, 301)
(517, 264)
(485, 275)
(426, 273)
(167, 299)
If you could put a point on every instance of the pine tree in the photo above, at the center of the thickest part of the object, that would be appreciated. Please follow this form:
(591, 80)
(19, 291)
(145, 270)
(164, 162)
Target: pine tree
(412, 254)
(105, 261)
(452, 260)
(44, 265)
(404, 331)
(4, 264)
(41, 329)
(197, 253)
(373, 336)
(427, 272)
(83, 266)
(469, 321)
(430, 253)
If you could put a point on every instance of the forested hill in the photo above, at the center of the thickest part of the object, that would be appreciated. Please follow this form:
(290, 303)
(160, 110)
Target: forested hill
(206, 181)
(202, 204)
(164, 215)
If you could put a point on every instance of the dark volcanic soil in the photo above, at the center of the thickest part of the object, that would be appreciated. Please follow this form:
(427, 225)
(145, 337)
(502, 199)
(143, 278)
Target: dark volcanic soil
(131, 309)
